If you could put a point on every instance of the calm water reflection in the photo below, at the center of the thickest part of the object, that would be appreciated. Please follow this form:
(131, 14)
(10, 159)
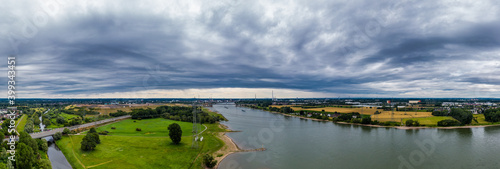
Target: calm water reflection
(299, 143)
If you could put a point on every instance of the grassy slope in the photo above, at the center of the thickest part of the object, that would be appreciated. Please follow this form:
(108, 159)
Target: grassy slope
(22, 123)
(127, 148)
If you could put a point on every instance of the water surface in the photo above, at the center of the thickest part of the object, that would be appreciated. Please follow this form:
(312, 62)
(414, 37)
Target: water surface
(293, 142)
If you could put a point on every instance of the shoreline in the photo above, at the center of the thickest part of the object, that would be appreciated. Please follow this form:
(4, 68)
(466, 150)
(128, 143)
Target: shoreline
(379, 126)
(230, 146)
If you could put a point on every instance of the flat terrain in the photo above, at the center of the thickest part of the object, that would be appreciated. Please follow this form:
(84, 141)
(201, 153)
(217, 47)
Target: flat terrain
(149, 127)
(398, 115)
(127, 148)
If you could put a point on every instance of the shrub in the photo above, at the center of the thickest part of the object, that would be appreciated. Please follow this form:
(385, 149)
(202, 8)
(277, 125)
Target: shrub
(412, 123)
(66, 131)
(103, 133)
(57, 136)
(137, 129)
(448, 122)
(366, 120)
(209, 161)
(375, 122)
(113, 127)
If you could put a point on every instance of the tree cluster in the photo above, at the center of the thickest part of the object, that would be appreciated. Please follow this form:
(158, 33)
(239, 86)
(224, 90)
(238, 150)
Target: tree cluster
(492, 115)
(448, 122)
(90, 141)
(27, 155)
(462, 116)
(412, 123)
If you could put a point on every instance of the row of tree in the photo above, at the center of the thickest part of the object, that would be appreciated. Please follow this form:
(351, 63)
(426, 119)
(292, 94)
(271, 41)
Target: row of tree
(178, 113)
(492, 115)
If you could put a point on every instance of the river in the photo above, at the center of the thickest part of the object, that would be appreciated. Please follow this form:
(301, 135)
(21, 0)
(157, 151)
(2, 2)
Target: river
(292, 142)
(42, 126)
(56, 157)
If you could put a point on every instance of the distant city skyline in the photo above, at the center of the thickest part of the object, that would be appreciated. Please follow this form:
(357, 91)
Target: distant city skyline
(239, 49)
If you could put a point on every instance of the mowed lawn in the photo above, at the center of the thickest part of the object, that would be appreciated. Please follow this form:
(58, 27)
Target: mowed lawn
(126, 148)
(149, 127)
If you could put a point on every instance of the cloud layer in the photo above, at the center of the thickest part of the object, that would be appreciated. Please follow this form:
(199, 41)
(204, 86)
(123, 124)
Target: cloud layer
(323, 48)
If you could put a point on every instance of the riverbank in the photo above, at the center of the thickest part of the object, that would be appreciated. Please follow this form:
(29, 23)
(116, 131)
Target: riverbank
(230, 146)
(397, 127)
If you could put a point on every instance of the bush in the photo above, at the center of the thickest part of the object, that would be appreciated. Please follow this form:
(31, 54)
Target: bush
(137, 129)
(104, 132)
(209, 161)
(412, 123)
(113, 127)
(356, 120)
(57, 136)
(375, 122)
(448, 122)
(66, 131)
(366, 120)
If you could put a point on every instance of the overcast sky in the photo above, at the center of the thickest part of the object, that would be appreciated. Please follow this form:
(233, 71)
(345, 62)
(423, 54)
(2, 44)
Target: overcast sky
(236, 48)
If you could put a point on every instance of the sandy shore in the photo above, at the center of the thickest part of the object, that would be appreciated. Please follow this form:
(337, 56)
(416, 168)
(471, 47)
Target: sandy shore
(397, 127)
(229, 147)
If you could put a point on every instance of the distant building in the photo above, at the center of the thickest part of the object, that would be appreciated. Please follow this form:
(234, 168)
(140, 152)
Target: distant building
(414, 101)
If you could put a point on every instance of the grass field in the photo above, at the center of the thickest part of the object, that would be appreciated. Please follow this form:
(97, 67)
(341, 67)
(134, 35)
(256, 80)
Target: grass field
(68, 116)
(387, 115)
(127, 148)
(149, 127)
(21, 123)
(429, 121)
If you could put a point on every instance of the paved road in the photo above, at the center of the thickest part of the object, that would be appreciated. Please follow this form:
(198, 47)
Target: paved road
(53, 131)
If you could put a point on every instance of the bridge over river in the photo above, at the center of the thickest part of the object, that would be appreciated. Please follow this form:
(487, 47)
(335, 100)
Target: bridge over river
(53, 131)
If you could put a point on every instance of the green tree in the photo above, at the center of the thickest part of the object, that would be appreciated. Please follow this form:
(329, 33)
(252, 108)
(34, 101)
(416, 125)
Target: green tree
(46, 122)
(462, 116)
(209, 161)
(42, 145)
(366, 120)
(44, 164)
(175, 133)
(57, 136)
(87, 144)
(10, 165)
(92, 130)
(66, 131)
(27, 140)
(60, 120)
(24, 156)
(4, 155)
(36, 121)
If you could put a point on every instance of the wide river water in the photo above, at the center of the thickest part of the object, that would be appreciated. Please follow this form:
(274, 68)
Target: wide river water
(292, 142)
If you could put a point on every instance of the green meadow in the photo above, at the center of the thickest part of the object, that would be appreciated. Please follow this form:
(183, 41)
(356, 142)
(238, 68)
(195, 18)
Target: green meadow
(124, 147)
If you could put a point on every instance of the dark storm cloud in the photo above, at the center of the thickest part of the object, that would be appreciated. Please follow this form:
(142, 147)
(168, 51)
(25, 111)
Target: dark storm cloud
(343, 48)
